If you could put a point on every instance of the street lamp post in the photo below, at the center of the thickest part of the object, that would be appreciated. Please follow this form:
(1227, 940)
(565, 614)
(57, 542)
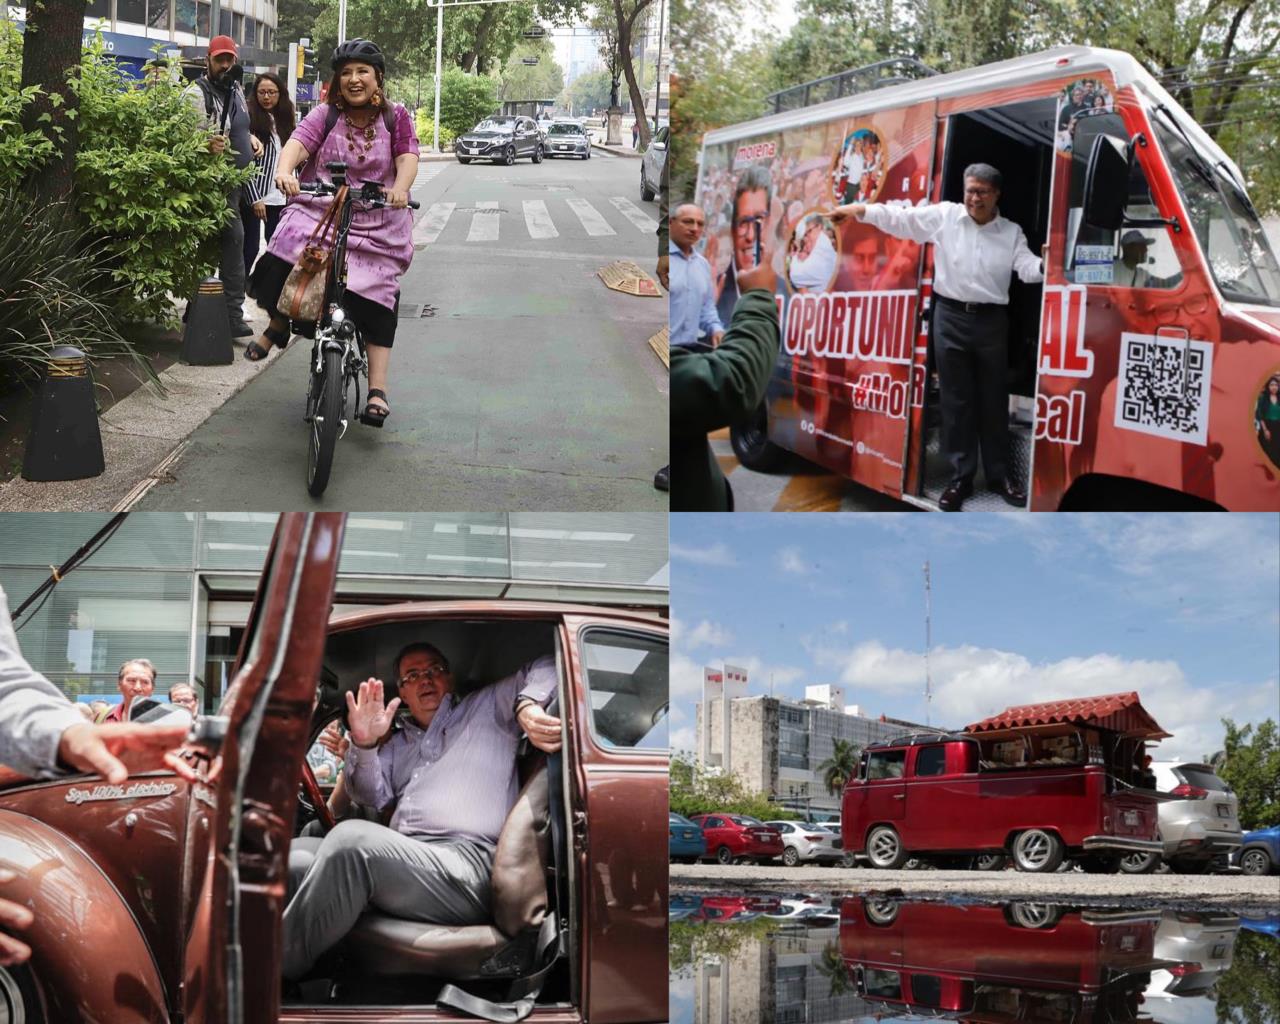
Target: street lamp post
(342, 21)
(657, 78)
(435, 147)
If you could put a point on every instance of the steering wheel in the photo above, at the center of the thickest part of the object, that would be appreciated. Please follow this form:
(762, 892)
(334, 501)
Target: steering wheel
(311, 789)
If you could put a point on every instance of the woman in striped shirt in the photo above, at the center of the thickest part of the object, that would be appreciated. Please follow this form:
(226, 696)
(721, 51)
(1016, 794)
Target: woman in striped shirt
(272, 120)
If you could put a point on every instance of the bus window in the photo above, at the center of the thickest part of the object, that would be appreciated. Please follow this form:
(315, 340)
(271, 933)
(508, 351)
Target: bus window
(1130, 257)
(886, 764)
(1225, 223)
(931, 761)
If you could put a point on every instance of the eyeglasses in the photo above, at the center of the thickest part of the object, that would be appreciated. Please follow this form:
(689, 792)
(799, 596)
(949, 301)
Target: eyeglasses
(418, 675)
(979, 192)
(268, 92)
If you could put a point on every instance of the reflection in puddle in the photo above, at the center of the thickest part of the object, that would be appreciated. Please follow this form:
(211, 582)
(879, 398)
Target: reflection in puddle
(738, 959)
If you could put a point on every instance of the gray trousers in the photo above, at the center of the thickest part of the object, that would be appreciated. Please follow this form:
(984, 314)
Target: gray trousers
(231, 262)
(362, 864)
(971, 352)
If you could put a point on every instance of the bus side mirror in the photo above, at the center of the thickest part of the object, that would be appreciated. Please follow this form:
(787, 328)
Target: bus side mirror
(1106, 183)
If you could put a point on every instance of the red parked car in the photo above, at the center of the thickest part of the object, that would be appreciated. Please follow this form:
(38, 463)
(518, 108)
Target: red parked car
(733, 838)
(1039, 782)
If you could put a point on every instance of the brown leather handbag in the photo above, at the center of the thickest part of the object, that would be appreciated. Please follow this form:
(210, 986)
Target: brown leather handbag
(302, 297)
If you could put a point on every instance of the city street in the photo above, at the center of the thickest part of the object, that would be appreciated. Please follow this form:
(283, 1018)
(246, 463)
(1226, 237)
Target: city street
(518, 380)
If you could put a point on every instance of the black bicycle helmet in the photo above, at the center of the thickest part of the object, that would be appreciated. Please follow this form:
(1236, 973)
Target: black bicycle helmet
(358, 49)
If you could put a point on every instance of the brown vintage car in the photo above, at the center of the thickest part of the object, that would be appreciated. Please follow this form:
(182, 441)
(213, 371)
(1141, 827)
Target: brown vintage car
(161, 902)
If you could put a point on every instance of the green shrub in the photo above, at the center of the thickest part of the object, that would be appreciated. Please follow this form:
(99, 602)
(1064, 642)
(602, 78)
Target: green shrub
(20, 152)
(56, 288)
(426, 131)
(464, 100)
(148, 183)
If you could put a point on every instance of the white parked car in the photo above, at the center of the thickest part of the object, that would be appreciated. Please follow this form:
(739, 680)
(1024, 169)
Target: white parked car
(1200, 826)
(806, 843)
(651, 164)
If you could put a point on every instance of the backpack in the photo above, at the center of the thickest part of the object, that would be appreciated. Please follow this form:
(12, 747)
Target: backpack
(206, 89)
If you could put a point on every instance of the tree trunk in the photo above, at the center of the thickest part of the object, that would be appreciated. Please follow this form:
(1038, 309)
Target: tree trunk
(626, 23)
(50, 49)
(477, 58)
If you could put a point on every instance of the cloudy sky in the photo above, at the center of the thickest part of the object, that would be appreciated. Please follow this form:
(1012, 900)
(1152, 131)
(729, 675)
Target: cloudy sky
(1185, 609)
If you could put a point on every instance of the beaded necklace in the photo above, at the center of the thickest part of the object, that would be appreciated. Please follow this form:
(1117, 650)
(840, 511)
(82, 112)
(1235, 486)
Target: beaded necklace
(354, 131)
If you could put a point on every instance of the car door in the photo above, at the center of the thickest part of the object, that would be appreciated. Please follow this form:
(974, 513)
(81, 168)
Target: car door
(617, 759)
(233, 955)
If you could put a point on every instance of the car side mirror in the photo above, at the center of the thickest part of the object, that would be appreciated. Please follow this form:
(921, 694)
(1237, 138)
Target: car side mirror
(1106, 183)
(660, 146)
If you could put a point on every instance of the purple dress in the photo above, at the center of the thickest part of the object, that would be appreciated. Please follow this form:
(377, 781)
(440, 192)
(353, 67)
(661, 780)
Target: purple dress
(380, 244)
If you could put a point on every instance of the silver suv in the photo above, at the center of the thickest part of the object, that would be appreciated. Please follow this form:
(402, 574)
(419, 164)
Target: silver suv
(1200, 825)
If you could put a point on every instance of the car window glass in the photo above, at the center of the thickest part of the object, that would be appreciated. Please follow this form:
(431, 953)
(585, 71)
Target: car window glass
(1129, 257)
(1204, 779)
(887, 764)
(713, 823)
(885, 984)
(324, 764)
(742, 819)
(627, 684)
(931, 760)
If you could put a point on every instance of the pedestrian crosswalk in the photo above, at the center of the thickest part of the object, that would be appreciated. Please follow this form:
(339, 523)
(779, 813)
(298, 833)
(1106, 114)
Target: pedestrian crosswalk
(489, 221)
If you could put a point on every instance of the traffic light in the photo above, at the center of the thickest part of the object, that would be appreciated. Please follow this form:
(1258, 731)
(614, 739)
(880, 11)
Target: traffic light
(306, 60)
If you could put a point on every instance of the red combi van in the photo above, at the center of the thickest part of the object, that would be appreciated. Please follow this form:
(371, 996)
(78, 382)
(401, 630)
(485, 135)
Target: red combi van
(1038, 782)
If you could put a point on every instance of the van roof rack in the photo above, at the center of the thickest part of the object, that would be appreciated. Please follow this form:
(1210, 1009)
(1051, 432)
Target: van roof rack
(916, 739)
(879, 75)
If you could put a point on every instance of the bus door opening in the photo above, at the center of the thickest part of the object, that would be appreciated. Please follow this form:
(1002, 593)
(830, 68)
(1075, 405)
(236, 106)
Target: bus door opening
(1018, 141)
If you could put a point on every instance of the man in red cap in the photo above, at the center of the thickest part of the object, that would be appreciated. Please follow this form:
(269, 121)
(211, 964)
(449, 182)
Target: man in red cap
(219, 100)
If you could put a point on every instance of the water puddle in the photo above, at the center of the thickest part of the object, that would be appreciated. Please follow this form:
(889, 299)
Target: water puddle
(812, 958)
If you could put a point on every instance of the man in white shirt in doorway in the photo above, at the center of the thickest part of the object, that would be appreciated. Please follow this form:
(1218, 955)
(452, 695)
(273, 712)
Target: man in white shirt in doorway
(976, 251)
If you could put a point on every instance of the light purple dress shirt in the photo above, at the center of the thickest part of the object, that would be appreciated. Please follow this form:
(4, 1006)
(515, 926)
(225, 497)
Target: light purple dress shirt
(457, 777)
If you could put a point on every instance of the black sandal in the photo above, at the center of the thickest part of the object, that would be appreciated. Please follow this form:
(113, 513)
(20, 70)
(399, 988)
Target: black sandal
(374, 415)
(256, 353)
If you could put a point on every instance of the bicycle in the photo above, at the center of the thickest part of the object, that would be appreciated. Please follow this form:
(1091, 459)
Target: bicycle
(338, 353)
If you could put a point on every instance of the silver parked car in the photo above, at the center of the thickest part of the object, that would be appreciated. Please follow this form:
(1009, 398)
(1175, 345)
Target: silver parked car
(1202, 824)
(651, 164)
(567, 138)
(803, 842)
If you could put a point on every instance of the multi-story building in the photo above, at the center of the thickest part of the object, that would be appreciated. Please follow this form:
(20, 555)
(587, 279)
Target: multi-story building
(131, 29)
(777, 746)
(177, 588)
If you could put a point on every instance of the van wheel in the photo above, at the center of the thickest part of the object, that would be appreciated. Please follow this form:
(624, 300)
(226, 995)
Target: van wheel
(848, 860)
(19, 1001)
(1139, 863)
(1255, 861)
(990, 862)
(1034, 915)
(790, 857)
(884, 848)
(1038, 851)
(724, 855)
(881, 912)
(752, 446)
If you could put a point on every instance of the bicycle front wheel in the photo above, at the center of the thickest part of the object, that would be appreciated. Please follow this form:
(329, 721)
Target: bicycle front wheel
(326, 422)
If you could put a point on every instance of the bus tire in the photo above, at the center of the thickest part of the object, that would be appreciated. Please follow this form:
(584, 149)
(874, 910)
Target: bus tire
(884, 848)
(1037, 850)
(752, 446)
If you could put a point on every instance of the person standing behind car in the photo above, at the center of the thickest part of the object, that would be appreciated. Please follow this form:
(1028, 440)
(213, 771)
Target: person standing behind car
(219, 100)
(42, 735)
(271, 120)
(136, 680)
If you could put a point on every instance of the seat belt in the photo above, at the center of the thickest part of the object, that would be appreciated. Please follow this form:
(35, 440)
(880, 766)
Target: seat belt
(511, 1011)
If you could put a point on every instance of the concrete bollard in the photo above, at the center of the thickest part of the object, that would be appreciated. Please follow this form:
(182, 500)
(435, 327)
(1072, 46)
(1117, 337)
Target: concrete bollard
(206, 340)
(64, 442)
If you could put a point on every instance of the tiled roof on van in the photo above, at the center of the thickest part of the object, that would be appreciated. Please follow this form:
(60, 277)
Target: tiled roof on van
(1117, 712)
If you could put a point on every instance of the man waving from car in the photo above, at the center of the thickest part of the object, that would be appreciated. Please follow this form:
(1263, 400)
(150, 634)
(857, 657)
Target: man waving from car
(451, 772)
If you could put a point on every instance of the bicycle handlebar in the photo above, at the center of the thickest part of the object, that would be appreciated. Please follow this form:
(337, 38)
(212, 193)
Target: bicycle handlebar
(326, 188)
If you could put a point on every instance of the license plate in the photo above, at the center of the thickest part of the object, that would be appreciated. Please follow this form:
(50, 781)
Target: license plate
(1130, 818)
(1224, 811)
(476, 149)
(1219, 951)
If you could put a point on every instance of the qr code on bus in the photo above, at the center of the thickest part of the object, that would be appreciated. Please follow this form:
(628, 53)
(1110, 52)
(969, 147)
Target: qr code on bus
(1163, 387)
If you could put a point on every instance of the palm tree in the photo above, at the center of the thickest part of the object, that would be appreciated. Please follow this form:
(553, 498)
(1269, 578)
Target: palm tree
(839, 767)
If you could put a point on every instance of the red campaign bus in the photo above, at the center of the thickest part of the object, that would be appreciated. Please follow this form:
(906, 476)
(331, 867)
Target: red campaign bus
(1036, 783)
(1144, 372)
(999, 964)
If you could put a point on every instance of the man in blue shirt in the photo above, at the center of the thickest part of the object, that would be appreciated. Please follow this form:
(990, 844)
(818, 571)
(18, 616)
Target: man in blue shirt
(693, 299)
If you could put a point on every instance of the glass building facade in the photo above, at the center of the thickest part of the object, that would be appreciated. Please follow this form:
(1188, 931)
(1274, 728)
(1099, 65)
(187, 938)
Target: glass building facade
(176, 588)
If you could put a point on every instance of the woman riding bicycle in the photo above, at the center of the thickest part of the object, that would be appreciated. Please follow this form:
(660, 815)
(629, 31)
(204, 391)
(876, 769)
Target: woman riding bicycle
(377, 142)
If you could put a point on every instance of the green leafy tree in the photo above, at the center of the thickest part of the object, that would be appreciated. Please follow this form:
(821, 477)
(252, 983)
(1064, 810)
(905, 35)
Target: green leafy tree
(1252, 768)
(1248, 992)
(694, 790)
(839, 767)
(50, 53)
(690, 942)
(22, 149)
(541, 81)
(588, 92)
(628, 15)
